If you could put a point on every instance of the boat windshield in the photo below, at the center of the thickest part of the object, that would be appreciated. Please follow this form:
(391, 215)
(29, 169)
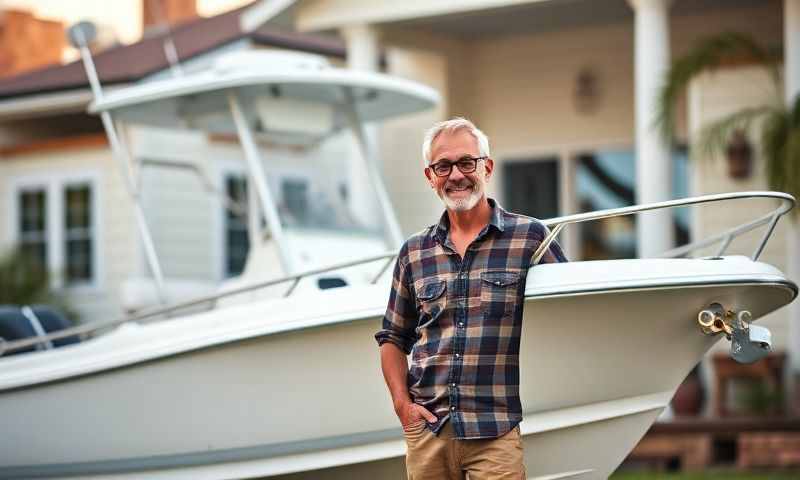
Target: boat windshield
(323, 187)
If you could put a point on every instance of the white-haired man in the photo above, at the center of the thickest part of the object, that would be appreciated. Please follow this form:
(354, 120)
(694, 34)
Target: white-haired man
(456, 303)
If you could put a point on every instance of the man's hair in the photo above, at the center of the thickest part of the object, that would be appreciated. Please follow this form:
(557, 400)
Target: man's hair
(450, 126)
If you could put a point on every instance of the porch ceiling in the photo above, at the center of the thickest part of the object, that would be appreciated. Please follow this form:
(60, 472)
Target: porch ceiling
(555, 15)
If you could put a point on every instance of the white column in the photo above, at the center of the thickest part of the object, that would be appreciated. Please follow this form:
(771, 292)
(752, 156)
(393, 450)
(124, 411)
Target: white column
(653, 160)
(362, 47)
(569, 204)
(363, 54)
(791, 56)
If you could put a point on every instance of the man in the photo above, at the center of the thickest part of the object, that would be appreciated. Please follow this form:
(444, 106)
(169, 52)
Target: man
(456, 300)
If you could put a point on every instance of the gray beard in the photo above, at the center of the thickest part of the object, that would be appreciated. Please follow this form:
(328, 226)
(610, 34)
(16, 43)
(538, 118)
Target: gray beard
(463, 204)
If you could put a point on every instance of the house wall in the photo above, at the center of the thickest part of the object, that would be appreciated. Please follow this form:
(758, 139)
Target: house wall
(522, 93)
(117, 239)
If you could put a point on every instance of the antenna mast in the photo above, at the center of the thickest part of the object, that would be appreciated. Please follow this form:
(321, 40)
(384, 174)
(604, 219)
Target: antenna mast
(80, 36)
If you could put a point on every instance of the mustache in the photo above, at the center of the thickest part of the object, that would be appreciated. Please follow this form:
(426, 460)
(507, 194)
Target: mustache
(463, 183)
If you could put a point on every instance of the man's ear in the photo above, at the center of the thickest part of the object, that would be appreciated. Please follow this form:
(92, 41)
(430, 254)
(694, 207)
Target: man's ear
(489, 167)
(430, 177)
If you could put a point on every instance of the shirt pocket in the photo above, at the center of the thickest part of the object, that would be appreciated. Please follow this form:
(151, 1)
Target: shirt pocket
(499, 293)
(432, 300)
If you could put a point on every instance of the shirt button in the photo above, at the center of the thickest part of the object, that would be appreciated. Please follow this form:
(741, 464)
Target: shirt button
(457, 355)
(453, 408)
(453, 385)
(460, 324)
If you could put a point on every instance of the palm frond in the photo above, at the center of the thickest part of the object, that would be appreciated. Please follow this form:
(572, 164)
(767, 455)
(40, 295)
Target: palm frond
(709, 54)
(715, 136)
(774, 135)
(795, 111)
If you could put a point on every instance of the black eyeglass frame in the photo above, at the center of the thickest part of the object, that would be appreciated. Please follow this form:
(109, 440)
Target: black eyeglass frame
(458, 163)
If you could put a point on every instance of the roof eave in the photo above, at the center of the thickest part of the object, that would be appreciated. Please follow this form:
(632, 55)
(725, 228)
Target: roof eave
(45, 104)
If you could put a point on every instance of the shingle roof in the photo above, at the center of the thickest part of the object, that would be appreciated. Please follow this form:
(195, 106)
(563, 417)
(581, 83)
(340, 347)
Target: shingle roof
(128, 63)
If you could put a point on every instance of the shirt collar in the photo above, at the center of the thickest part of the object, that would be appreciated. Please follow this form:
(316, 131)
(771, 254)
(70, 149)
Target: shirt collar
(496, 220)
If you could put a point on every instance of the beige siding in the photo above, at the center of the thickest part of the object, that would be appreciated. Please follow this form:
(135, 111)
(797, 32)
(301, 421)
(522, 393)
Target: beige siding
(523, 86)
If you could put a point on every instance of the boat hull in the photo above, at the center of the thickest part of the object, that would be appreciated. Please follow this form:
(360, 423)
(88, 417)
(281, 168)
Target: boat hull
(595, 365)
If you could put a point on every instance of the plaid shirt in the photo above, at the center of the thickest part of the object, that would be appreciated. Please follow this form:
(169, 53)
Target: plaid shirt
(463, 318)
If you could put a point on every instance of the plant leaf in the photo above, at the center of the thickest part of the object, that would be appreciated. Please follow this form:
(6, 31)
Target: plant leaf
(709, 54)
(714, 137)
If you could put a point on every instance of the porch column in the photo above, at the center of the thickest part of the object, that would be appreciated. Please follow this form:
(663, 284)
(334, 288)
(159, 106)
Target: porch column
(654, 232)
(791, 56)
(363, 54)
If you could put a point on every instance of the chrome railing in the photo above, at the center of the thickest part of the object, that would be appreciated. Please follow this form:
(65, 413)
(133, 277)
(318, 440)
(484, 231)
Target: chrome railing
(557, 224)
(210, 300)
(787, 202)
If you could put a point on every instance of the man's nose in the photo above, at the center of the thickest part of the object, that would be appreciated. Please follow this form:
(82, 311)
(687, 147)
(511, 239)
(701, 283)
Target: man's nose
(456, 174)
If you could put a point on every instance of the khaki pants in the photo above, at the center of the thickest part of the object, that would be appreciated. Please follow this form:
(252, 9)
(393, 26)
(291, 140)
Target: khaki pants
(444, 457)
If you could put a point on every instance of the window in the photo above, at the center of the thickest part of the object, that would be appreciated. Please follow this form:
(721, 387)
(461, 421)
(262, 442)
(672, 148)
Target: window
(237, 241)
(607, 179)
(294, 196)
(56, 226)
(78, 233)
(32, 214)
(532, 187)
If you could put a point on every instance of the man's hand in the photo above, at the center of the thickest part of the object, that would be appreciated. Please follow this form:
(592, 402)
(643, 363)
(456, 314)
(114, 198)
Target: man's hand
(395, 371)
(411, 413)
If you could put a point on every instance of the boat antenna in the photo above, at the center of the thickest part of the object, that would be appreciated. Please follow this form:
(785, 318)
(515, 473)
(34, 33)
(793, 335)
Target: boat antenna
(170, 51)
(81, 36)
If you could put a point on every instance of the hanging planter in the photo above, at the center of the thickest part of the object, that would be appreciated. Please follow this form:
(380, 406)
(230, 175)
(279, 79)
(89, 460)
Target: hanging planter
(739, 156)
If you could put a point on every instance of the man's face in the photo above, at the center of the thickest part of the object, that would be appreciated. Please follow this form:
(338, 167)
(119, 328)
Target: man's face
(459, 192)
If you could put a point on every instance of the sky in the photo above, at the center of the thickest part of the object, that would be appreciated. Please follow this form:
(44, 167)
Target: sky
(123, 16)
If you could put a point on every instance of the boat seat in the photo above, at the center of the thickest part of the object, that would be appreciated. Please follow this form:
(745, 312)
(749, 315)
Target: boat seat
(14, 325)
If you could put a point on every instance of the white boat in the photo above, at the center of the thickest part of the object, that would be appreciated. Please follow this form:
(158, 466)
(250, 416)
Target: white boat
(289, 382)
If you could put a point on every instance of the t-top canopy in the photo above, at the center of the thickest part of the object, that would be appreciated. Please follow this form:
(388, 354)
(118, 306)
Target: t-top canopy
(270, 86)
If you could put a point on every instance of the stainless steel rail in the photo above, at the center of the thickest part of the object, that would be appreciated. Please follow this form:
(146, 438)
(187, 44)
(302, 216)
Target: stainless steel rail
(787, 203)
(211, 300)
(557, 224)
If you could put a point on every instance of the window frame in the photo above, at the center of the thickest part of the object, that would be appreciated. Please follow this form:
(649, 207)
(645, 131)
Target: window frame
(55, 186)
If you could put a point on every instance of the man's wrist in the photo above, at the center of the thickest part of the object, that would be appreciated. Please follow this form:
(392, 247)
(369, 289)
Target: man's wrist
(401, 404)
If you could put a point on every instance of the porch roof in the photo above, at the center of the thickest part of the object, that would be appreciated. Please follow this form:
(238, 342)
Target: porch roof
(484, 17)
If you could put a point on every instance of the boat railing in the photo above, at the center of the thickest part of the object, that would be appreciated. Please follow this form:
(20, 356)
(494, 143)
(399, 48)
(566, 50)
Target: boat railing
(554, 224)
(725, 238)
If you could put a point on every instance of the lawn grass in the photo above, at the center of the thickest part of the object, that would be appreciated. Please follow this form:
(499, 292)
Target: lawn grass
(712, 475)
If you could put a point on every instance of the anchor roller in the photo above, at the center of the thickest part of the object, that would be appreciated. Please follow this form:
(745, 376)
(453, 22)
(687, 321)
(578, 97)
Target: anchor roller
(749, 343)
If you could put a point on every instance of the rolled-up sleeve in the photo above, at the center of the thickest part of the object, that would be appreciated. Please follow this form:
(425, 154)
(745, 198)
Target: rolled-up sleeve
(400, 320)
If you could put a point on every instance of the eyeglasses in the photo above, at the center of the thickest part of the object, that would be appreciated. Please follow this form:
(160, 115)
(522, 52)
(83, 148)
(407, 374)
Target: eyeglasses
(465, 165)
